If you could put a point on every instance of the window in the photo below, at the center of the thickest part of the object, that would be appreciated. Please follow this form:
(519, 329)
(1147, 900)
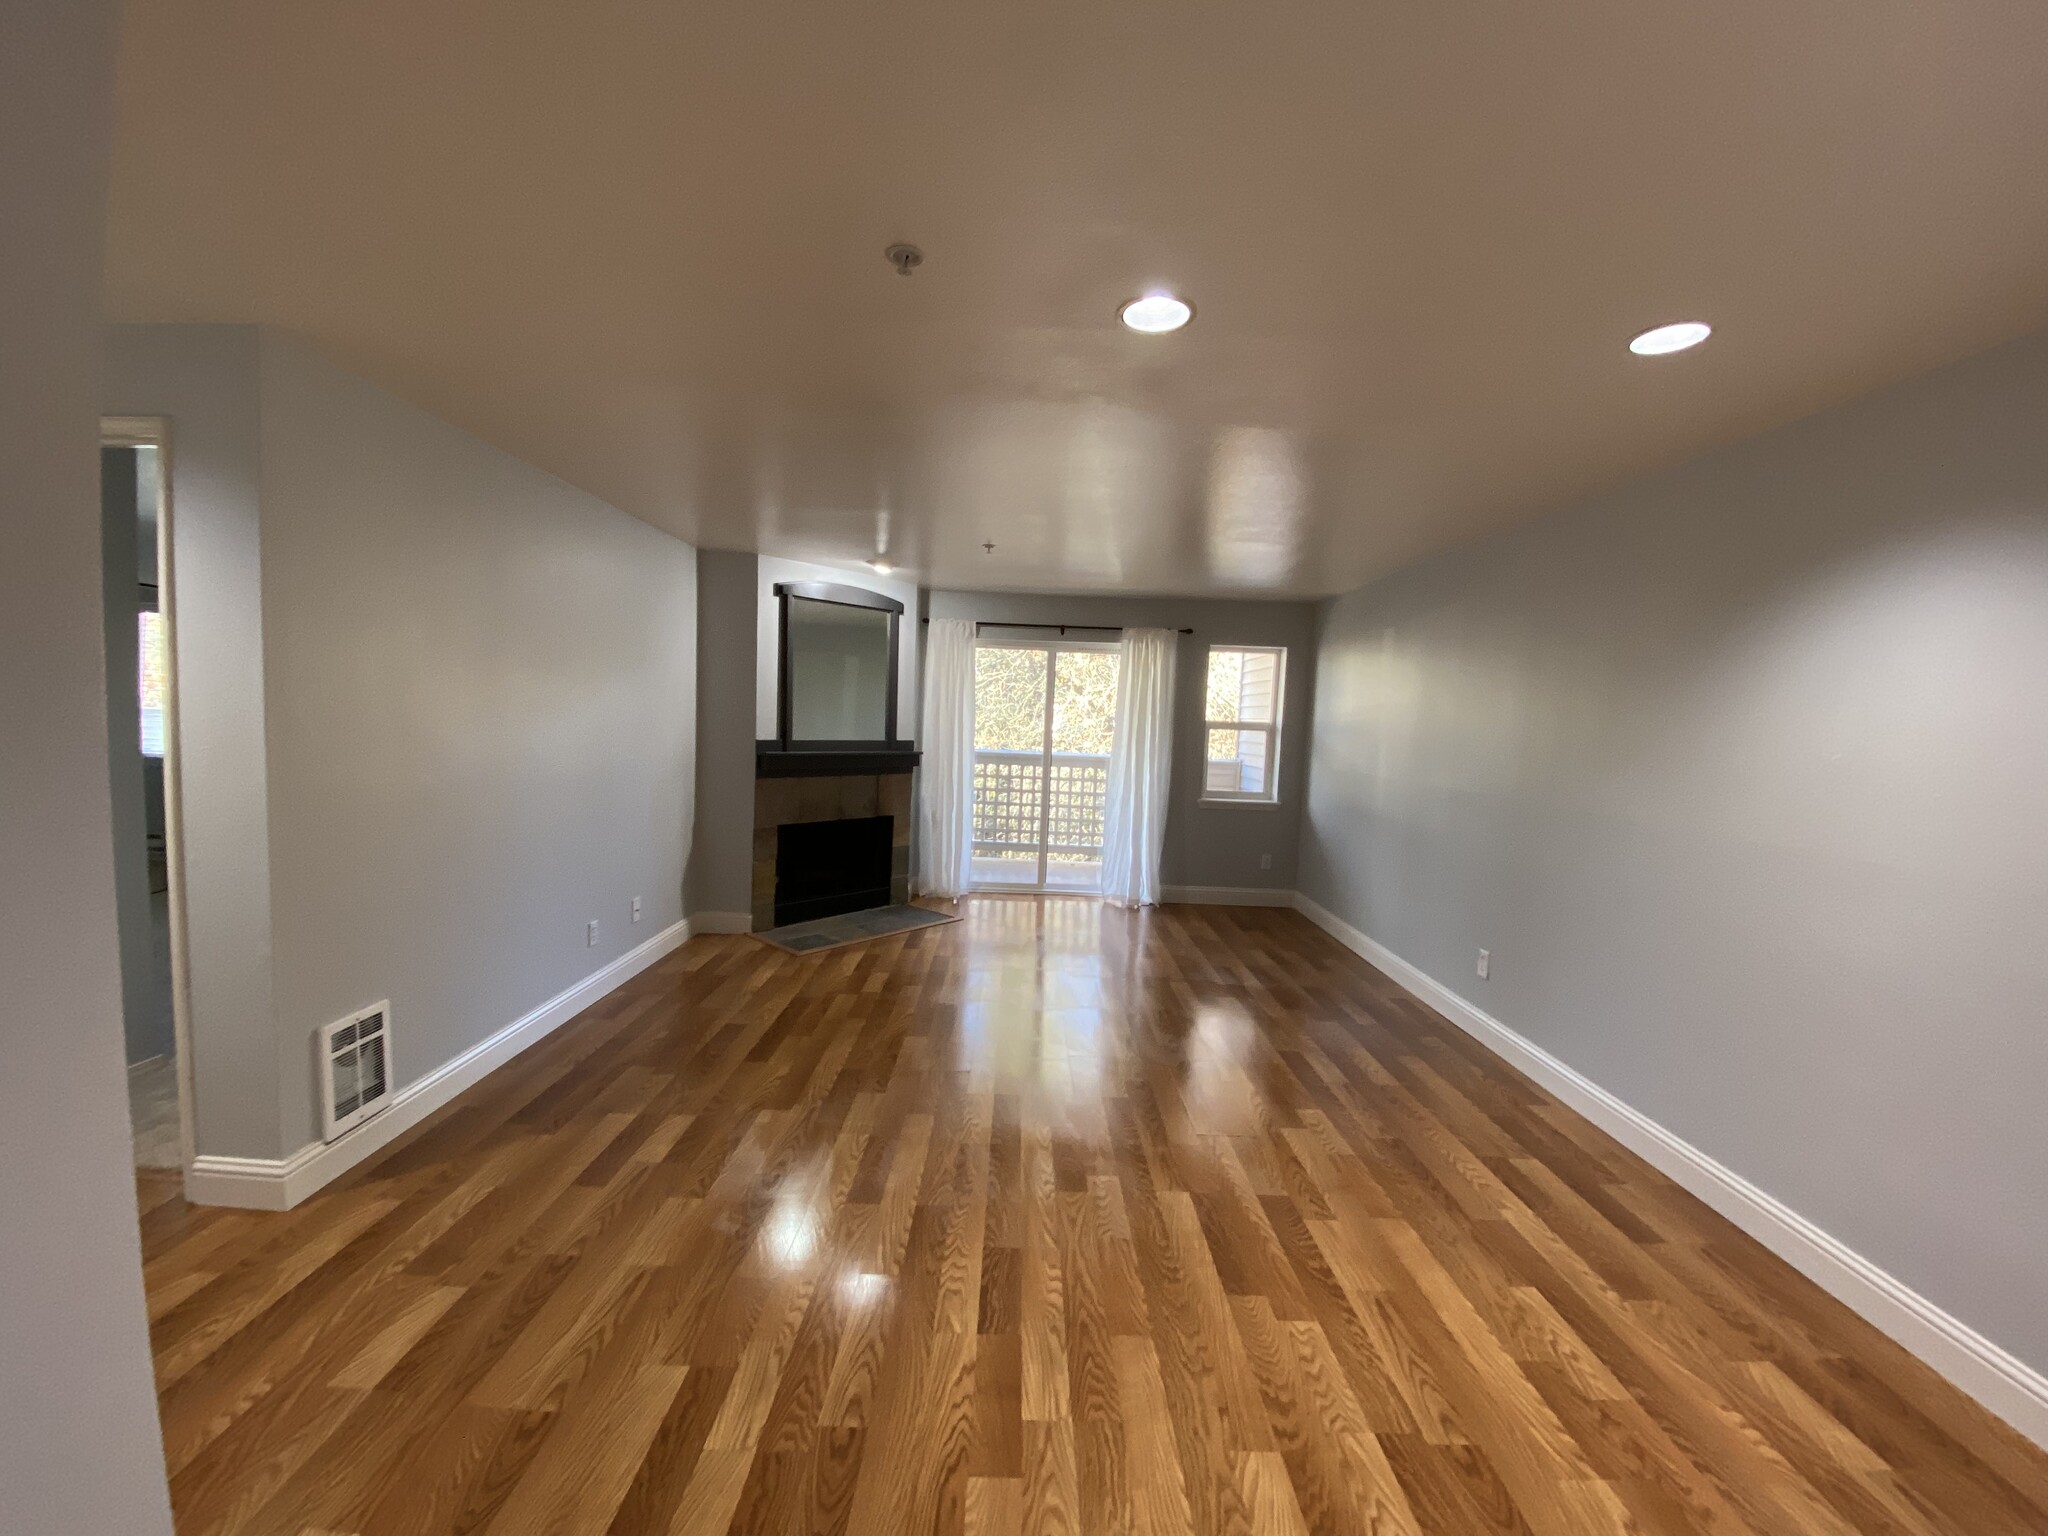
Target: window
(1044, 720)
(150, 681)
(1242, 724)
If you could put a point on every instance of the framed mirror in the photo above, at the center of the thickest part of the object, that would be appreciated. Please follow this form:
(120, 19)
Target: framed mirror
(836, 680)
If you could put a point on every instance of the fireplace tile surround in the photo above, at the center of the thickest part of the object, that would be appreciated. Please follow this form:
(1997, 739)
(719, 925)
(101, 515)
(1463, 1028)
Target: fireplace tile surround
(827, 797)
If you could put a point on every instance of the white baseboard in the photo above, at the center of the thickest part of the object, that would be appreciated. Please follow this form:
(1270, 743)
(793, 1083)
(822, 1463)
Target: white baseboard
(1226, 896)
(264, 1184)
(2006, 1385)
(721, 922)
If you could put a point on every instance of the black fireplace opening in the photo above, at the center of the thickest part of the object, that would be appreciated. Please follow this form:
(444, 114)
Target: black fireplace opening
(823, 868)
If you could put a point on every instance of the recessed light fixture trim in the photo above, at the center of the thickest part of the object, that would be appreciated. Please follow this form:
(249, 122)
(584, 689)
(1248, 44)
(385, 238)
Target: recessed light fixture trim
(1156, 313)
(1676, 337)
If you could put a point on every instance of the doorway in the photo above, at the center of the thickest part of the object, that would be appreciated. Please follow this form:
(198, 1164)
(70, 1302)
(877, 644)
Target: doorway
(134, 510)
(1044, 715)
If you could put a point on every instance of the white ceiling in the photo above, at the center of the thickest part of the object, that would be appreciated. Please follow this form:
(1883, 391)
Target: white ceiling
(639, 242)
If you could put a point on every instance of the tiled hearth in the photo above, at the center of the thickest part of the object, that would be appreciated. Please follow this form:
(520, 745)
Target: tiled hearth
(782, 800)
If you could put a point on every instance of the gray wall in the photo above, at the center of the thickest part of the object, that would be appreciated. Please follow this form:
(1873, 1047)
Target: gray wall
(1206, 845)
(480, 691)
(1739, 773)
(722, 854)
(79, 1449)
(436, 712)
(204, 379)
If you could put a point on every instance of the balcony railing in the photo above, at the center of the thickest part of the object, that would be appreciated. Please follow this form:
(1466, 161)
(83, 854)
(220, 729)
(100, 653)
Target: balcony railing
(1011, 792)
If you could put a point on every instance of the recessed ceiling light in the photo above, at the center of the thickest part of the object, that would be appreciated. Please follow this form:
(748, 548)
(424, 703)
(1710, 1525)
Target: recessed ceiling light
(881, 565)
(1671, 338)
(1156, 312)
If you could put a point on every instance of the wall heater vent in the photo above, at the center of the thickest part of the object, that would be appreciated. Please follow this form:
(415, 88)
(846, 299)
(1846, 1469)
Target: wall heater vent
(355, 1069)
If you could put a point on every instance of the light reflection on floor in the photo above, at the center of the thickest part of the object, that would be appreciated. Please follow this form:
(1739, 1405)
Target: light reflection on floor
(1039, 1000)
(1058, 992)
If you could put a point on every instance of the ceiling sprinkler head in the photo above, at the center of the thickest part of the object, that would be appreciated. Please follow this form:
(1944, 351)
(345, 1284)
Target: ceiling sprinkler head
(904, 258)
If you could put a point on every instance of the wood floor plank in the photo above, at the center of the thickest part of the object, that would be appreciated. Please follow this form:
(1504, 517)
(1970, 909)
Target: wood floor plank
(1059, 1220)
(587, 1463)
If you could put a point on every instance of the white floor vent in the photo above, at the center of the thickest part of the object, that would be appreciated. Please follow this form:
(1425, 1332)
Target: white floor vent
(355, 1069)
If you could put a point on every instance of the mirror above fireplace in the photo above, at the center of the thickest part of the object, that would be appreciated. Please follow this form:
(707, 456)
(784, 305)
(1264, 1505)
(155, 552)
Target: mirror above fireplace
(836, 682)
(841, 661)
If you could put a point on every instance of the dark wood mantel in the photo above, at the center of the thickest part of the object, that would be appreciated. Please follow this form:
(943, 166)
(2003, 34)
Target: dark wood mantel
(772, 762)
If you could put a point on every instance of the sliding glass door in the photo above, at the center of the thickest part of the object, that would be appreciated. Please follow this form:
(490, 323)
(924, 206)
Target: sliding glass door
(1043, 714)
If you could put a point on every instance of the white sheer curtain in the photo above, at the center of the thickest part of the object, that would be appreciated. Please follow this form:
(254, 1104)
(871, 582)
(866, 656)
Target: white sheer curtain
(1140, 767)
(946, 777)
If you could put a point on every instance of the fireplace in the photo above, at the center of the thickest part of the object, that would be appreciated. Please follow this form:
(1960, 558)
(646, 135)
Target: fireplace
(829, 842)
(823, 868)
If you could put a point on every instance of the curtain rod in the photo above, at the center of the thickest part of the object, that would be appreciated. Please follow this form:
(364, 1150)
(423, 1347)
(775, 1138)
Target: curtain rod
(1106, 629)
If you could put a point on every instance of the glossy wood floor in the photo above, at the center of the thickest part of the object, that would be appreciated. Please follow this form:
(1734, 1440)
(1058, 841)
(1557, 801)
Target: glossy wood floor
(1055, 1220)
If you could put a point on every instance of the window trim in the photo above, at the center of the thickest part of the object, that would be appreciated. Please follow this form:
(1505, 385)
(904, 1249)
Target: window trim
(1271, 730)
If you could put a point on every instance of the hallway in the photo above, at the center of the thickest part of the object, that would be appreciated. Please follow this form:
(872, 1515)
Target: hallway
(1056, 1219)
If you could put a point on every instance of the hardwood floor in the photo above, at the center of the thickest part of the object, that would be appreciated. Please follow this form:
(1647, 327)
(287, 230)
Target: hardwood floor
(1054, 1220)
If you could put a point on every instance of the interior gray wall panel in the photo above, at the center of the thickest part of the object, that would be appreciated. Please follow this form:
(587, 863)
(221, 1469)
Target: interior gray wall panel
(436, 712)
(80, 1450)
(204, 378)
(480, 685)
(1738, 772)
(722, 855)
(1206, 845)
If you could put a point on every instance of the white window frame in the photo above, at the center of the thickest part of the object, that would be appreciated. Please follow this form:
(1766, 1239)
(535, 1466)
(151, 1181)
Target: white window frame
(1271, 795)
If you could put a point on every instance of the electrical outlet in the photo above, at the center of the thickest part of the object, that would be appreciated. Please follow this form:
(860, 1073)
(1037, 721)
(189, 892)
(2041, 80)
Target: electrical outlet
(1485, 963)
(1265, 861)
(636, 909)
(590, 934)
